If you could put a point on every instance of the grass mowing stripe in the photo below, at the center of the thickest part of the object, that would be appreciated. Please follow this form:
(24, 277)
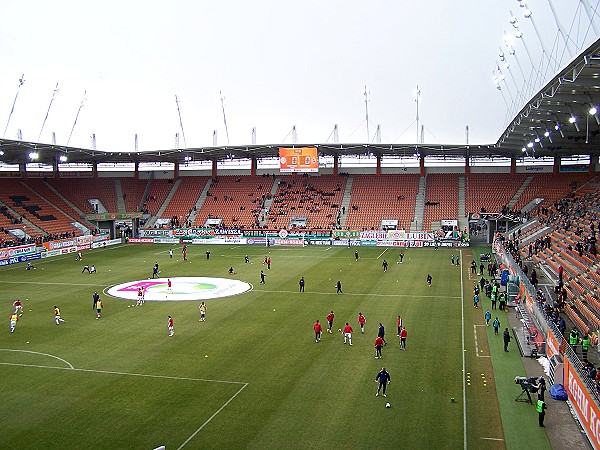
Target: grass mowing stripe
(212, 417)
(356, 294)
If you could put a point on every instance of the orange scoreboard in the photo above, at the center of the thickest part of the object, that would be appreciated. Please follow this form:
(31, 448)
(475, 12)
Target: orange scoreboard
(302, 159)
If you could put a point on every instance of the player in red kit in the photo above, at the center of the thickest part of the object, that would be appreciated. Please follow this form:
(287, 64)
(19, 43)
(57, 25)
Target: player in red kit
(361, 321)
(18, 307)
(348, 333)
(403, 334)
(170, 326)
(318, 328)
(169, 285)
(330, 317)
(378, 345)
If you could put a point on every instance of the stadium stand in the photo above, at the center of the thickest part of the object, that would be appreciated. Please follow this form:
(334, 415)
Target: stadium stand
(237, 200)
(491, 191)
(80, 190)
(133, 191)
(441, 198)
(550, 187)
(184, 200)
(389, 197)
(318, 199)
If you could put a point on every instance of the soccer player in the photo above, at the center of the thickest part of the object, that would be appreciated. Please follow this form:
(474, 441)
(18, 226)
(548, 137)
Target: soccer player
(429, 280)
(356, 255)
(18, 307)
(330, 317)
(79, 257)
(401, 257)
(378, 345)
(383, 378)
(381, 333)
(95, 298)
(301, 283)
(170, 253)
(140, 296)
(86, 267)
(155, 272)
(184, 252)
(452, 259)
(57, 317)
(269, 263)
(92, 269)
(169, 285)
(13, 322)
(403, 335)
(348, 333)
(231, 272)
(318, 328)
(488, 317)
(385, 265)
(362, 321)
(246, 259)
(29, 266)
(207, 254)
(339, 287)
(262, 277)
(98, 308)
(170, 326)
(399, 325)
(202, 309)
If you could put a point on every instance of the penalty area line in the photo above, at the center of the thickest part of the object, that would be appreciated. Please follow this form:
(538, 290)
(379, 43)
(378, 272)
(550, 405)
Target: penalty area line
(212, 417)
(386, 249)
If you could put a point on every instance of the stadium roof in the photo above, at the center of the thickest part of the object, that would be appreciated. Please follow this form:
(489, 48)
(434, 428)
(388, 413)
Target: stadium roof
(571, 93)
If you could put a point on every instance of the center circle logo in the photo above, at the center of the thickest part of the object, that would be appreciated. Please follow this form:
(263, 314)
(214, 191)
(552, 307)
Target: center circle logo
(182, 289)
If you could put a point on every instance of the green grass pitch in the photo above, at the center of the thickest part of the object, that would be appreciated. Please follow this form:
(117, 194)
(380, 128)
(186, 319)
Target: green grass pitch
(251, 376)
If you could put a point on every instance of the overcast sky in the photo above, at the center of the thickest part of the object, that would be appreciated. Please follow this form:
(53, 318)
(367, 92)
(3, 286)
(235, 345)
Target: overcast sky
(278, 63)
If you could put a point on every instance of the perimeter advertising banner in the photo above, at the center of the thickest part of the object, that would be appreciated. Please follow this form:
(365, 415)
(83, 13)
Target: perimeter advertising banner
(584, 405)
(302, 159)
(19, 250)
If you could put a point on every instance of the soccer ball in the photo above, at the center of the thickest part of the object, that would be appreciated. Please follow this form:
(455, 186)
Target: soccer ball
(339, 330)
(387, 405)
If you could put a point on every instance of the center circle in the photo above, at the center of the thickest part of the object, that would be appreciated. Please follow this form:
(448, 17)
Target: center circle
(182, 289)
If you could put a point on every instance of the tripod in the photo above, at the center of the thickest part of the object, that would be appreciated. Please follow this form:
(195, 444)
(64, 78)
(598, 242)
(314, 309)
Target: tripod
(521, 397)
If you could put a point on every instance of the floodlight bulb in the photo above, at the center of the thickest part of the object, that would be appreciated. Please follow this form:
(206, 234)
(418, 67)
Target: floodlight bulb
(537, 139)
(572, 119)
(593, 111)
(512, 20)
(62, 158)
(519, 34)
(506, 65)
(523, 149)
(1, 153)
(529, 144)
(557, 127)
(547, 134)
(527, 13)
(33, 155)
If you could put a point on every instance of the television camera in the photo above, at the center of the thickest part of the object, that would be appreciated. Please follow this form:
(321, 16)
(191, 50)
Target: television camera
(529, 385)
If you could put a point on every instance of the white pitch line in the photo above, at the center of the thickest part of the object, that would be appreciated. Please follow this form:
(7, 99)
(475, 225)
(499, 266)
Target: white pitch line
(358, 294)
(464, 366)
(212, 417)
(328, 248)
(130, 374)
(386, 249)
(477, 344)
(38, 353)
(491, 439)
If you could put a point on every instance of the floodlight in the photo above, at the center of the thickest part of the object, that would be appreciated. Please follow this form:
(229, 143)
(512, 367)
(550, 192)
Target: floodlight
(519, 34)
(547, 133)
(513, 20)
(1, 153)
(593, 111)
(62, 158)
(506, 65)
(33, 155)
(572, 119)
(537, 139)
(527, 13)
(529, 144)
(522, 3)
(523, 149)
(557, 126)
